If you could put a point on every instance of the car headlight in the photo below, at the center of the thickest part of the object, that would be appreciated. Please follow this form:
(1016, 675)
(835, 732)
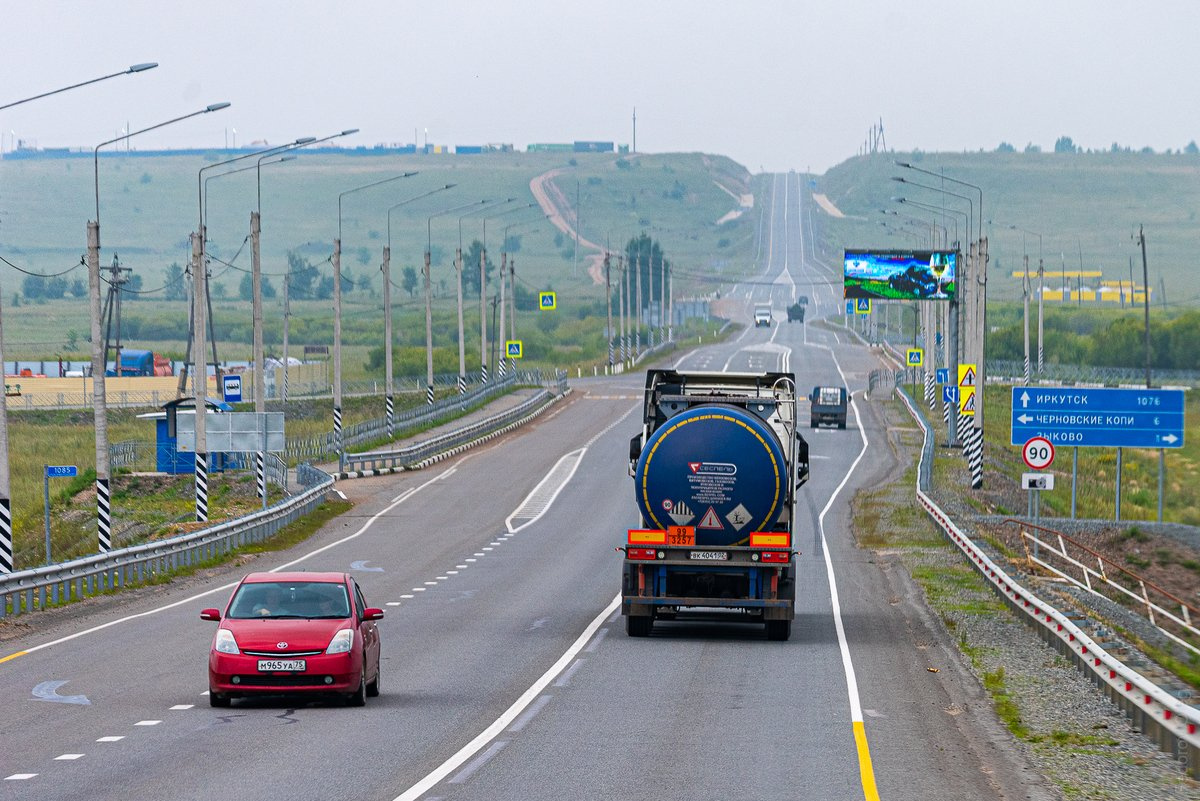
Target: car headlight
(341, 642)
(225, 643)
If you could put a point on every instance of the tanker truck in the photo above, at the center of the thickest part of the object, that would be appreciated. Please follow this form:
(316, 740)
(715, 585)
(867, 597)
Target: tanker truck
(716, 468)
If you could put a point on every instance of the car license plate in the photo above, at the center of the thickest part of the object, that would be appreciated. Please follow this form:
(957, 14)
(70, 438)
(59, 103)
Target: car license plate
(710, 556)
(274, 665)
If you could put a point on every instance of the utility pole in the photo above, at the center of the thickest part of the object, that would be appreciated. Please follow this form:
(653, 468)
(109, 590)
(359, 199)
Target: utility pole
(429, 334)
(608, 328)
(1041, 307)
(1025, 294)
(200, 373)
(99, 409)
(621, 309)
(483, 312)
(1145, 298)
(637, 318)
(260, 391)
(635, 129)
(462, 352)
(337, 352)
(503, 357)
(287, 319)
(387, 336)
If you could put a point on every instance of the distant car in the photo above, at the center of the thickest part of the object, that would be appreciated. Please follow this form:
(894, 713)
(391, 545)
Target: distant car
(762, 316)
(286, 633)
(828, 406)
(803, 300)
(796, 312)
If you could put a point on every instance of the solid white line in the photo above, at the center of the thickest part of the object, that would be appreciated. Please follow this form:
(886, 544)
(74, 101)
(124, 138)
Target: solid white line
(506, 719)
(847, 663)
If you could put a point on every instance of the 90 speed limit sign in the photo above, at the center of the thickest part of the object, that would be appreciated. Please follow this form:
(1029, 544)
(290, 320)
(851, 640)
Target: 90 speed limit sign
(1038, 453)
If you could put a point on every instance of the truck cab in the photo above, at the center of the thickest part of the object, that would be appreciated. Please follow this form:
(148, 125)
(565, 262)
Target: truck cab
(762, 315)
(828, 406)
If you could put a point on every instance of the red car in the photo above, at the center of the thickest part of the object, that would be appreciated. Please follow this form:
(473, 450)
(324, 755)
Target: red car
(295, 633)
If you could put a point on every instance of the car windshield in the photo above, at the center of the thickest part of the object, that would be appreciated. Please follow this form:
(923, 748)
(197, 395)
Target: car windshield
(290, 599)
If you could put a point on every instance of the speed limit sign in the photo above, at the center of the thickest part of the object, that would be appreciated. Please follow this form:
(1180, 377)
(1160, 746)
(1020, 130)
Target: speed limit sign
(1038, 453)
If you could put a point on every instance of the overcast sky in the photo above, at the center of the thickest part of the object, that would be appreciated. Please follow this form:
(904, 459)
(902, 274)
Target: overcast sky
(774, 85)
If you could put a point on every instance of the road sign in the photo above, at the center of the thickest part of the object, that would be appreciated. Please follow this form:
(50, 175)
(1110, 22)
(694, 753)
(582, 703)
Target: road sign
(943, 375)
(849, 307)
(950, 394)
(512, 349)
(232, 388)
(967, 376)
(1038, 453)
(547, 301)
(862, 305)
(1099, 418)
(1037, 481)
(61, 471)
(916, 357)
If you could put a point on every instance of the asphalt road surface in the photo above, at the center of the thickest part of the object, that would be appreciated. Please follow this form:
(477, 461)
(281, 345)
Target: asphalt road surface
(507, 673)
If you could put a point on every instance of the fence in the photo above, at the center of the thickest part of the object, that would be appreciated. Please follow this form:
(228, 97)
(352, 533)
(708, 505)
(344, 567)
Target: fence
(40, 587)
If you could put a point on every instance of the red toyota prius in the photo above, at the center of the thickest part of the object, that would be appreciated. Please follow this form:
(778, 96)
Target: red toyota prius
(295, 633)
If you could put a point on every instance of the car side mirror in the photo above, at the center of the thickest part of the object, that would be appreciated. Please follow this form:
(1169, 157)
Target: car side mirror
(210, 614)
(372, 613)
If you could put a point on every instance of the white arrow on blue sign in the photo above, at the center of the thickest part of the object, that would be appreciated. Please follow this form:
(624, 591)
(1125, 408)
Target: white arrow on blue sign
(1098, 418)
(943, 375)
(950, 394)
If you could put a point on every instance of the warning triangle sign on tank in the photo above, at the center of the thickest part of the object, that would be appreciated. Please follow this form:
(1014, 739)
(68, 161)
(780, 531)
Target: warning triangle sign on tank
(710, 520)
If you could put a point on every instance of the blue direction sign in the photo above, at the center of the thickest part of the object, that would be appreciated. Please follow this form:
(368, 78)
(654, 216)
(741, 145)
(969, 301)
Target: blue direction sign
(1098, 418)
(849, 307)
(61, 471)
(950, 394)
(943, 375)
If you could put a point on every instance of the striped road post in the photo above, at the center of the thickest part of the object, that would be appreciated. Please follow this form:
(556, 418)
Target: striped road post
(391, 411)
(337, 436)
(201, 491)
(429, 394)
(6, 546)
(260, 476)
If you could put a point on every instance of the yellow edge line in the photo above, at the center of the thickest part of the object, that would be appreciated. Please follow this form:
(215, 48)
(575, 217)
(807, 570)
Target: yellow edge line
(865, 771)
(12, 656)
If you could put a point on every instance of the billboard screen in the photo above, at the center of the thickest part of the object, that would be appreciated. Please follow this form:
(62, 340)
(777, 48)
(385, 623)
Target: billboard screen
(901, 274)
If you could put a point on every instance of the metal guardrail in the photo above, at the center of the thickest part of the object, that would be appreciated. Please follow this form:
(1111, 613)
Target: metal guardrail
(1157, 713)
(418, 455)
(1047, 542)
(37, 588)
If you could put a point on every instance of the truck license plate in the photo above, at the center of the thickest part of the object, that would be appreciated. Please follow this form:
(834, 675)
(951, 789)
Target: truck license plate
(710, 556)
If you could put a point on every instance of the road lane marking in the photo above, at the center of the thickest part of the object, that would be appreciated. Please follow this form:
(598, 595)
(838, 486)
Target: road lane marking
(865, 771)
(12, 656)
(181, 707)
(529, 714)
(67, 757)
(112, 738)
(565, 679)
(147, 723)
(19, 777)
(479, 762)
(509, 715)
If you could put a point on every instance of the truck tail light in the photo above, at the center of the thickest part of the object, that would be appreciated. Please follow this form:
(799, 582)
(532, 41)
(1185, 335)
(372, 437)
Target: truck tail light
(776, 556)
(641, 554)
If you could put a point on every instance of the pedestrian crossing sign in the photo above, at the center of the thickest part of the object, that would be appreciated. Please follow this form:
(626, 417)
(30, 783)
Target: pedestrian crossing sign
(862, 305)
(547, 301)
(512, 349)
(967, 379)
(916, 357)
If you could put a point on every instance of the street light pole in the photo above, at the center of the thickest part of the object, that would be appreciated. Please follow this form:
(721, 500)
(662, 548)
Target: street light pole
(429, 296)
(6, 542)
(99, 399)
(458, 269)
(386, 267)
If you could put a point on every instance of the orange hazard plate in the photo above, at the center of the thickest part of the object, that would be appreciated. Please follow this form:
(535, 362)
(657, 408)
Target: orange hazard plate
(681, 535)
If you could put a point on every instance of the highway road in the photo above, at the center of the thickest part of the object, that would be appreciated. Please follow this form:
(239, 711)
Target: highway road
(506, 670)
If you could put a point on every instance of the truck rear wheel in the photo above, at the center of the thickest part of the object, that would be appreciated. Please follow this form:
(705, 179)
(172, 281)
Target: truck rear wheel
(779, 630)
(637, 626)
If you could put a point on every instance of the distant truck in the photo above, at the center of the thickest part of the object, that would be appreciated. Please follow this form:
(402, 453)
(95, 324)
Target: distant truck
(716, 468)
(828, 406)
(796, 312)
(141, 363)
(762, 315)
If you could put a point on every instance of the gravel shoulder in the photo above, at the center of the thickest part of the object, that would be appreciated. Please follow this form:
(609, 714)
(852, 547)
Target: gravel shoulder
(1064, 728)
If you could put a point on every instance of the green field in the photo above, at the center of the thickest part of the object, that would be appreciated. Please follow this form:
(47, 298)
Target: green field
(1086, 206)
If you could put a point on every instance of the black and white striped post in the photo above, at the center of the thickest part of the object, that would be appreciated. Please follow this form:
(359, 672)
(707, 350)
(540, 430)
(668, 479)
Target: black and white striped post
(6, 546)
(6, 542)
(337, 434)
(390, 403)
(201, 485)
(99, 408)
(199, 373)
(260, 475)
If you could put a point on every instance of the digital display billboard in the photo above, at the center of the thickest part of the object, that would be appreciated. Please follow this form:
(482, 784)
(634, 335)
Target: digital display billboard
(901, 274)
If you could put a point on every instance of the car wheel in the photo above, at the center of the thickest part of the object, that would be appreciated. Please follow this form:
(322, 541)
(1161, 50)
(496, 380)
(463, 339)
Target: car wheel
(373, 687)
(219, 701)
(359, 696)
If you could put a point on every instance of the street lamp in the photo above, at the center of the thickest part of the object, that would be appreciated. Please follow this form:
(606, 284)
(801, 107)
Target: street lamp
(512, 272)
(337, 316)
(256, 230)
(429, 294)
(387, 304)
(6, 548)
(130, 71)
(458, 269)
(503, 269)
(99, 405)
(1025, 290)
